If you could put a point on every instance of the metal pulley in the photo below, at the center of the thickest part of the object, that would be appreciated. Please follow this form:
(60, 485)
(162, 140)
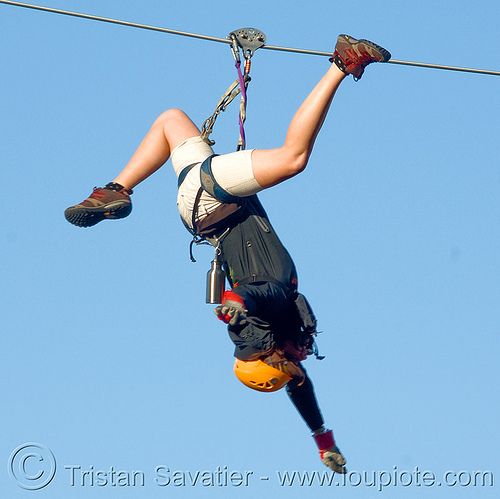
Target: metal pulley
(249, 39)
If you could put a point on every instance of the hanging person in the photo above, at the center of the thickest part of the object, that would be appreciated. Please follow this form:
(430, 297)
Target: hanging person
(270, 323)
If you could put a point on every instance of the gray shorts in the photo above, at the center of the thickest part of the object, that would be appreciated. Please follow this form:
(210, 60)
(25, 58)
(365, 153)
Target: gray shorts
(233, 172)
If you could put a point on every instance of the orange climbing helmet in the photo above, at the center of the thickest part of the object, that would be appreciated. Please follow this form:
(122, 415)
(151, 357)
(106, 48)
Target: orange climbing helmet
(260, 376)
(269, 374)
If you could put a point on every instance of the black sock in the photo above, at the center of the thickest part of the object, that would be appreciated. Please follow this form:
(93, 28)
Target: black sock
(113, 186)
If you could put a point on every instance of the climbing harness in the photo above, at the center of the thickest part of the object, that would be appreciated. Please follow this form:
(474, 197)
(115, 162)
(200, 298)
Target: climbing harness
(248, 40)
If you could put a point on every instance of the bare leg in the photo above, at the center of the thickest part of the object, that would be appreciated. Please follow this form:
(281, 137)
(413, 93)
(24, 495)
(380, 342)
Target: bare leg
(272, 166)
(170, 129)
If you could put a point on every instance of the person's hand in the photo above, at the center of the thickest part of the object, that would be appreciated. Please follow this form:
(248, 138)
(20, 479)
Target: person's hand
(232, 310)
(329, 452)
(334, 460)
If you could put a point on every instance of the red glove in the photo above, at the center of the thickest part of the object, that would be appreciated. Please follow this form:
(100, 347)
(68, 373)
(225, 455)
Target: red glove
(329, 452)
(232, 309)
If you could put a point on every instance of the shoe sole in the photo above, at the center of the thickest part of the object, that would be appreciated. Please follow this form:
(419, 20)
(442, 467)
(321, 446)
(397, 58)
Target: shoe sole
(87, 217)
(386, 55)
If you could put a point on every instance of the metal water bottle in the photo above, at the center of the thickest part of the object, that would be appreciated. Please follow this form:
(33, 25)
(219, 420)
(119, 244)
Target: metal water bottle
(216, 278)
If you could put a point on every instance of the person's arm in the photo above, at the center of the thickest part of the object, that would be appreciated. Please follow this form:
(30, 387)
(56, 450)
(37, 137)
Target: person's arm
(304, 399)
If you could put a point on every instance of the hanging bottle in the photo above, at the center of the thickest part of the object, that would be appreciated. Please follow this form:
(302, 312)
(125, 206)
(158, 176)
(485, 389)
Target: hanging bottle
(216, 278)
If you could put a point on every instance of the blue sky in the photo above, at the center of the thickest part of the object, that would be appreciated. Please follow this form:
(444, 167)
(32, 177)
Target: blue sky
(111, 358)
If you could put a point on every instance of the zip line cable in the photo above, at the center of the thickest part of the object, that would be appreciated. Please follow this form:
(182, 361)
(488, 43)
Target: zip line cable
(224, 40)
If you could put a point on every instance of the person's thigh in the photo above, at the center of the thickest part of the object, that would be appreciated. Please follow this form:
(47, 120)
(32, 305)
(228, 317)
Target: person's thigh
(234, 173)
(273, 166)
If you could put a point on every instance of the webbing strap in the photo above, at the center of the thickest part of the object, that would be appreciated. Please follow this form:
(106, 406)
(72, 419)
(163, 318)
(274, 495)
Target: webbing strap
(209, 184)
(196, 239)
(195, 207)
(184, 173)
(226, 99)
(243, 108)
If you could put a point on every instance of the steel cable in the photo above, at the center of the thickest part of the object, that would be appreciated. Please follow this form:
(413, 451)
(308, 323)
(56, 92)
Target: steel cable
(224, 40)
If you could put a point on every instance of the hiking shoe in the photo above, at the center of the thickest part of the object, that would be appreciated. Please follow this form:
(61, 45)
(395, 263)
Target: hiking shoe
(111, 201)
(352, 56)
